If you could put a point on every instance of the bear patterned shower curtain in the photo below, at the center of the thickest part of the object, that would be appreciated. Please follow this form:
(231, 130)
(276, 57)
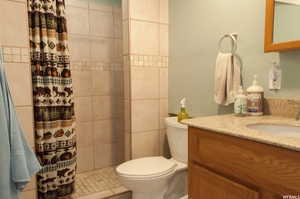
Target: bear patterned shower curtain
(53, 98)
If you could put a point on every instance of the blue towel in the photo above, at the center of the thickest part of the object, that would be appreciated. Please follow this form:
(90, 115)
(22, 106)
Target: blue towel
(17, 161)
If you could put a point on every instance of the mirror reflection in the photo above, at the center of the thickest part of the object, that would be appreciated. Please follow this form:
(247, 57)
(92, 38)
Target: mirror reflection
(286, 21)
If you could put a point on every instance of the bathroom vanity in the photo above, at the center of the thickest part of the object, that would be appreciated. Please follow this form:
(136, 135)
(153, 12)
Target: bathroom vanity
(228, 159)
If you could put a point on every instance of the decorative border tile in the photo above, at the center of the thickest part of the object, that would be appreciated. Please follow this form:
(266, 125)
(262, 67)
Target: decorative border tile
(14, 54)
(126, 61)
(18, 1)
(149, 61)
(96, 66)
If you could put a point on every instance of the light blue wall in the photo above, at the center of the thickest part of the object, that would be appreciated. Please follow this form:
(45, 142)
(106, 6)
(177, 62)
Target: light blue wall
(195, 28)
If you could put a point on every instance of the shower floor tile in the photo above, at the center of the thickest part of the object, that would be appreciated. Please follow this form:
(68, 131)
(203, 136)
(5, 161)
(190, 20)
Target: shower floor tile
(98, 184)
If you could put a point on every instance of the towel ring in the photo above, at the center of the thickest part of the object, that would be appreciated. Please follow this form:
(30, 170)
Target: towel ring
(233, 43)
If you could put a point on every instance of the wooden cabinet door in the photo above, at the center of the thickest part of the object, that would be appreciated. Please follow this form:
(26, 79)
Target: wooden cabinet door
(205, 184)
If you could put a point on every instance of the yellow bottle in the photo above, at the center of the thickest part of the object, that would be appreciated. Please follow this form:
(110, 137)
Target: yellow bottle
(182, 115)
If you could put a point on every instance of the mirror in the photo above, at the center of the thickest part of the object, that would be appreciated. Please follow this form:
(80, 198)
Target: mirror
(286, 21)
(282, 25)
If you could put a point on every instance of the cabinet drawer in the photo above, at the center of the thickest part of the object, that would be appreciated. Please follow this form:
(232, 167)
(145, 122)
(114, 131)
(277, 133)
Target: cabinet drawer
(206, 184)
(271, 168)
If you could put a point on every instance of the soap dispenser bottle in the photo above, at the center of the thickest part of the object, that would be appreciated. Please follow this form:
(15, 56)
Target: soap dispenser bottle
(240, 103)
(182, 113)
(255, 98)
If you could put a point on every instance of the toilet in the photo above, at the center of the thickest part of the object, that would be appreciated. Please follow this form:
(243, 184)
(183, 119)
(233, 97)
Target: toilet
(157, 177)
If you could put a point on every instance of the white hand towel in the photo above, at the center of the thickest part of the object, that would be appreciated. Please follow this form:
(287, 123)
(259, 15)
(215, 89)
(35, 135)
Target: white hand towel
(227, 78)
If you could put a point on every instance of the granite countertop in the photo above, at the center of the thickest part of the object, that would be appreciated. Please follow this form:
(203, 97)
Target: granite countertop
(237, 126)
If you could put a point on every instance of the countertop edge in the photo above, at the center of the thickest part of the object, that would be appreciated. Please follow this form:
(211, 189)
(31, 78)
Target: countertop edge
(223, 131)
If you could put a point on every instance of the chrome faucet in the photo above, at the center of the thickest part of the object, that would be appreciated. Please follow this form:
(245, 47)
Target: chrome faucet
(298, 105)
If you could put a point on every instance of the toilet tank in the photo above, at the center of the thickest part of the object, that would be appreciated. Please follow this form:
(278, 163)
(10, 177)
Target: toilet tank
(177, 135)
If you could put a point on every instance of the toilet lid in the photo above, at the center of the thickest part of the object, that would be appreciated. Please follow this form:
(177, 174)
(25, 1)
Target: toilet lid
(147, 167)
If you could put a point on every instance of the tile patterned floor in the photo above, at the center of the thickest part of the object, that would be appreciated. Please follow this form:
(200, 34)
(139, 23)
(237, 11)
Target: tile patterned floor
(100, 184)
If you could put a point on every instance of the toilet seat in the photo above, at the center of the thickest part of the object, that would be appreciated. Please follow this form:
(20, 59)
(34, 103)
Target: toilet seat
(147, 168)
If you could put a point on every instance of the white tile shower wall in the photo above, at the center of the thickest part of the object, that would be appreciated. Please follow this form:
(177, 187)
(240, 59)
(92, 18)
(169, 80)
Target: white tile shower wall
(164, 11)
(144, 10)
(127, 105)
(101, 23)
(96, 59)
(14, 31)
(14, 41)
(20, 84)
(78, 20)
(145, 53)
(144, 38)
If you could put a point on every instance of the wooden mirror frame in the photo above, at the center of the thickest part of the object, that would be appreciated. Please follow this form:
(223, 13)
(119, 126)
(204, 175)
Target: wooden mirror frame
(269, 31)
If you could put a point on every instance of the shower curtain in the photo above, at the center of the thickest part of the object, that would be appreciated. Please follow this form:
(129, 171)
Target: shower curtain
(55, 137)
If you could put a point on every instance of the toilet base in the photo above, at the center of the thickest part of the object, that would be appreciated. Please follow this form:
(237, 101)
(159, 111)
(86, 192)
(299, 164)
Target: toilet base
(177, 187)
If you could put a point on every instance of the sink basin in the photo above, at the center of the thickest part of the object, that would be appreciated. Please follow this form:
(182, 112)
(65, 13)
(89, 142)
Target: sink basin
(279, 130)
